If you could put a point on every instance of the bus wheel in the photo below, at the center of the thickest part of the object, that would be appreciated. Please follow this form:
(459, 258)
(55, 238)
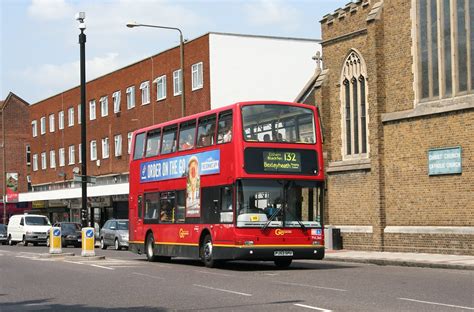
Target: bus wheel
(283, 263)
(206, 252)
(150, 244)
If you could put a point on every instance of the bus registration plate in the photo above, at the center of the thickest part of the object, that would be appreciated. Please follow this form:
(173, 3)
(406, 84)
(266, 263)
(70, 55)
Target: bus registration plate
(279, 253)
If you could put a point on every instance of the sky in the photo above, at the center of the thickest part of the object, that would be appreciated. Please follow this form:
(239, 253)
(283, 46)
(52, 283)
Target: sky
(39, 49)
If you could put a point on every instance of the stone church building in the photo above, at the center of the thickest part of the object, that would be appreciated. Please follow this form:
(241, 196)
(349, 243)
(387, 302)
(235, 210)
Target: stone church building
(397, 101)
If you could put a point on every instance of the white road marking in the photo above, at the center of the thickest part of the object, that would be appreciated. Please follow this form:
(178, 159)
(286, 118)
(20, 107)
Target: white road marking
(151, 276)
(102, 267)
(311, 307)
(213, 273)
(36, 304)
(224, 290)
(312, 286)
(437, 303)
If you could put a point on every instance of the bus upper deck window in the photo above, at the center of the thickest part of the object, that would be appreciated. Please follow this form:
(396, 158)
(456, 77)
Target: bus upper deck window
(224, 132)
(187, 132)
(139, 146)
(153, 143)
(206, 131)
(169, 140)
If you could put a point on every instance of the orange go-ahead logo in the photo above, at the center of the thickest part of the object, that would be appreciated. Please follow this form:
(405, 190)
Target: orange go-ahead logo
(183, 233)
(280, 232)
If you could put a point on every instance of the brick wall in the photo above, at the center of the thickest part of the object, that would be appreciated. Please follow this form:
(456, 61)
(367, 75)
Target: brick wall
(128, 120)
(16, 137)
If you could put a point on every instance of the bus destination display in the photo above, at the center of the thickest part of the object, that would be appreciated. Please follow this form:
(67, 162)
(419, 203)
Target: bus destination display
(276, 161)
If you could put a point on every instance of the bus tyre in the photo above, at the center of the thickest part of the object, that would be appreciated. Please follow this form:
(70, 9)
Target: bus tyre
(150, 248)
(283, 263)
(102, 243)
(206, 252)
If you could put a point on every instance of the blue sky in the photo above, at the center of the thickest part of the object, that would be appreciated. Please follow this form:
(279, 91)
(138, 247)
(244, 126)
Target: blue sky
(39, 54)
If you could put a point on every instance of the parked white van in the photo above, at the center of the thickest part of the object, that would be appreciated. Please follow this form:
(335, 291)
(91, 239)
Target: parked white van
(28, 228)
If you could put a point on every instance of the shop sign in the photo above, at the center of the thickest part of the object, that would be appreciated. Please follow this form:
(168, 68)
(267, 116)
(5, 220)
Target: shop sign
(100, 202)
(56, 203)
(121, 198)
(444, 161)
(38, 204)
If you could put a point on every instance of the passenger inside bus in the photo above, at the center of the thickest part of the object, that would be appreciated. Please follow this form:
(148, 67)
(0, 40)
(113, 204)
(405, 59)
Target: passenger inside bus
(188, 143)
(166, 213)
(266, 138)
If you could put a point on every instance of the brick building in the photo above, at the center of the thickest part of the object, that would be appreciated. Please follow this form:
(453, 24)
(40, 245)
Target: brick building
(14, 157)
(397, 99)
(219, 69)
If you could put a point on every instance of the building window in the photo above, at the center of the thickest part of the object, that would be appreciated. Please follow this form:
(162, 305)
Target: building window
(145, 88)
(105, 148)
(160, 87)
(197, 79)
(61, 120)
(79, 153)
(52, 159)
(118, 145)
(34, 128)
(43, 125)
(70, 116)
(28, 155)
(354, 107)
(129, 142)
(79, 114)
(93, 150)
(43, 161)
(72, 154)
(92, 112)
(177, 88)
(51, 123)
(104, 106)
(35, 162)
(130, 97)
(62, 157)
(116, 99)
(445, 43)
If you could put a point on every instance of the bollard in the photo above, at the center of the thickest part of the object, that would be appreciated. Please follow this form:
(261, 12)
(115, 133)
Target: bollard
(88, 242)
(55, 240)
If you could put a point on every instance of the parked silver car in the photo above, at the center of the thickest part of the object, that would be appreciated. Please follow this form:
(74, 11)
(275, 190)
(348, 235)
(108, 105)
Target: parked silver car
(114, 233)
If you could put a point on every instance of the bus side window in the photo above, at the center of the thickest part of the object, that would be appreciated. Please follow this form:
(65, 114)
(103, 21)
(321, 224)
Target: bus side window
(224, 131)
(187, 132)
(139, 146)
(169, 140)
(167, 207)
(206, 131)
(139, 206)
(152, 202)
(180, 212)
(153, 143)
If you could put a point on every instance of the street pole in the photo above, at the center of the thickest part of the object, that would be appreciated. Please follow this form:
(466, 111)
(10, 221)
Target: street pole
(4, 197)
(82, 41)
(181, 52)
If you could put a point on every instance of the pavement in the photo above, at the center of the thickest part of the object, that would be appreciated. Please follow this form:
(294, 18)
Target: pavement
(460, 262)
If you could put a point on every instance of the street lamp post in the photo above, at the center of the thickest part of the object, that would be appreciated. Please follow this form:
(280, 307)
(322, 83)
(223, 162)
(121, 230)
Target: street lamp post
(181, 50)
(82, 41)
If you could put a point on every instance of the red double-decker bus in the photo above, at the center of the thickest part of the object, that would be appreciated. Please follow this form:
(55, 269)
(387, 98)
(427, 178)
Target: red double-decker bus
(239, 182)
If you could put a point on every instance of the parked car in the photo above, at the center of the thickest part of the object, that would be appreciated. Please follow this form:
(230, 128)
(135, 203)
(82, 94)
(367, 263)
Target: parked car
(3, 234)
(28, 228)
(70, 234)
(114, 233)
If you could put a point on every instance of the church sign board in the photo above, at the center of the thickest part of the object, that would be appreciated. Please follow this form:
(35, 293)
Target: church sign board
(444, 161)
